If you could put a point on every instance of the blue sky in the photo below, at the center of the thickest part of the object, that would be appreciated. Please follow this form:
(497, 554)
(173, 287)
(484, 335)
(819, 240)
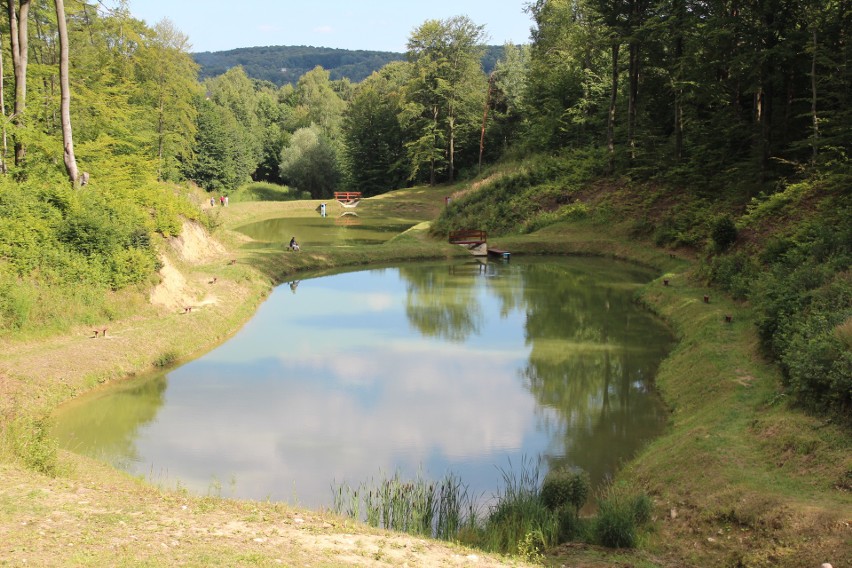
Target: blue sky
(383, 25)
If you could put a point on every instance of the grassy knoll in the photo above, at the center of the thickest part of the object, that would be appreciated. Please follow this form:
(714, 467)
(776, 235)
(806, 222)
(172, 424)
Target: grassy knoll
(739, 479)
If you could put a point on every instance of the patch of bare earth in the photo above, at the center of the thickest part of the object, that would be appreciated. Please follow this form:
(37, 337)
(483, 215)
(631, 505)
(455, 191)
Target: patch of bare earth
(96, 516)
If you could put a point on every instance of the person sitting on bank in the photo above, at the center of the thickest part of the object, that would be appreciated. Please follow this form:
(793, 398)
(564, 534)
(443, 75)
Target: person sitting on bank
(293, 244)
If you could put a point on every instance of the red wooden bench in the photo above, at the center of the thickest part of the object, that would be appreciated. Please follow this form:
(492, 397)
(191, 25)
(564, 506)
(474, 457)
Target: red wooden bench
(468, 237)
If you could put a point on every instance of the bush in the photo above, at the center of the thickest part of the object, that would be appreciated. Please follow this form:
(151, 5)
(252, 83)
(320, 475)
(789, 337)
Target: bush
(571, 526)
(265, 191)
(34, 446)
(724, 233)
(563, 488)
(735, 273)
(620, 516)
(518, 513)
(515, 517)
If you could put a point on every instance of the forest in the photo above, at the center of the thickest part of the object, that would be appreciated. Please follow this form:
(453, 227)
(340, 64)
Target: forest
(732, 119)
(285, 64)
(280, 64)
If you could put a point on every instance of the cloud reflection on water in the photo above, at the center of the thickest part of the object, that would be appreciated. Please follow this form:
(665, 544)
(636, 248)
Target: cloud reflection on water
(365, 373)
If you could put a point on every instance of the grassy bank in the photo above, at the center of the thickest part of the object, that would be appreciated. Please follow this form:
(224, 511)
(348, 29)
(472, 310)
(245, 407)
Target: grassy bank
(740, 478)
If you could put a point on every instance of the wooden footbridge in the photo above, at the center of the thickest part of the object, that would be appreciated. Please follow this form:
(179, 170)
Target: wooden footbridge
(476, 241)
(348, 198)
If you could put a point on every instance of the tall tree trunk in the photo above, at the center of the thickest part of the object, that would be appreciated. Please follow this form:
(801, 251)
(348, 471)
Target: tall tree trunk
(485, 119)
(678, 81)
(161, 136)
(65, 92)
(451, 125)
(613, 98)
(632, 96)
(4, 149)
(432, 179)
(18, 20)
(814, 117)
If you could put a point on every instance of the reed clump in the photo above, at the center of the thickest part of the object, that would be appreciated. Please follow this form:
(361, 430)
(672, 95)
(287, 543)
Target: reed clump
(418, 507)
(527, 516)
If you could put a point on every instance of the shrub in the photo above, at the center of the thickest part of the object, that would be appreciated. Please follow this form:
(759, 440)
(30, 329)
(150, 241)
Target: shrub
(724, 233)
(34, 446)
(570, 525)
(563, 488)
(615, 525)
(519, 511)
(514, 517)
(265, 191)
(619, 517)
(131, 266)
(16, 302)
(166, 358)
(735, 273)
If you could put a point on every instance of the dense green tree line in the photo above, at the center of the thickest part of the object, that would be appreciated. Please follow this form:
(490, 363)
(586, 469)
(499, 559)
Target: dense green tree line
(282, 64)
(750, 91)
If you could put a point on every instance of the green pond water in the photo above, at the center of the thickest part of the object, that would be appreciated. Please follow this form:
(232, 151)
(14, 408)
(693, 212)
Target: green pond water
(421, 369)
(338, 228)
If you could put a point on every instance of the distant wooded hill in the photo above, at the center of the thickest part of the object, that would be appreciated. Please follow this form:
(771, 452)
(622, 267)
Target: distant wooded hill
(285, 64)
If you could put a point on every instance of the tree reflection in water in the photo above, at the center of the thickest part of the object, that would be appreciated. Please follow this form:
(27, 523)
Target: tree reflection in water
(593, 355)
(461, 367)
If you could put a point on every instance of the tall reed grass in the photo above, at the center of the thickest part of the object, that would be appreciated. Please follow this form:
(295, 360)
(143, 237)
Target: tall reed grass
(419, 507)
(520, 519)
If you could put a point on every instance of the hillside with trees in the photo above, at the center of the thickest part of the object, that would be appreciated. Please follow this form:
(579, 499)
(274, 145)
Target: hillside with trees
(719, 132)
(283, 64)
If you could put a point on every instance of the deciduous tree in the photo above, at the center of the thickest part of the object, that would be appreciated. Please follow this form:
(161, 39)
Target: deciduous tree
(65, 89)
(445, 93)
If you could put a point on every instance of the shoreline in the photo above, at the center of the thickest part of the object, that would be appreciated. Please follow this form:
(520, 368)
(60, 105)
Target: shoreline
(693, 505)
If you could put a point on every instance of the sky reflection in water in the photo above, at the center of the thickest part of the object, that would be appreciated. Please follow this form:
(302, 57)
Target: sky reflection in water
(430, 368)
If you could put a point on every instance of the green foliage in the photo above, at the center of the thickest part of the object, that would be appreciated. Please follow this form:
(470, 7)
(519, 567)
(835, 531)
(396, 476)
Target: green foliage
(34, 446)
(317, 104)
(734, 273)
(286, 64)
(800, 285)
(620, 516)
(724, 233)
(563, 488)
(444, 95)
(525, 198)
(677, 119)
(374, 139)
(685, 225)
(310, 163)
(218, 163)
(519, 512)
(416, 507)
(265, 191)
(16, 302)
(570, 526)
(531, 548)
(166, 359)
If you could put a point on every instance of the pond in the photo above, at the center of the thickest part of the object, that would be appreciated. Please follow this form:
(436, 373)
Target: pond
(424, 369)
(338, 228)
